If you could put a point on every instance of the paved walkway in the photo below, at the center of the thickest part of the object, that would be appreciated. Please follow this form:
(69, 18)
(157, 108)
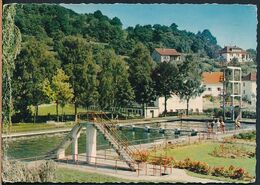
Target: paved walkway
(178, 175)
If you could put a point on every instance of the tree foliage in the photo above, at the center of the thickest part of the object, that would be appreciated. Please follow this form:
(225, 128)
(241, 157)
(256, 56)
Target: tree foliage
(114, 87)
(190, 86)
(107, 65)
(11, 48)
(166, 80)
(140, 70)
(77, 61)
(34, 63)
(45, 21)
(59, 90)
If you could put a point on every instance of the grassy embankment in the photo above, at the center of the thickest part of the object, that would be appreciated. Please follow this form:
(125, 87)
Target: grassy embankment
(43, 111)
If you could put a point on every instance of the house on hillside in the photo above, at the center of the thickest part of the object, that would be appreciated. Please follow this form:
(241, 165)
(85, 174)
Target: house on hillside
(249, 87)
(230, 52)
(213, 83)
(165, 55)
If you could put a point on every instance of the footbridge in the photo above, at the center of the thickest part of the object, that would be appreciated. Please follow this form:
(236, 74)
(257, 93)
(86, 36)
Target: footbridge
(92, 122)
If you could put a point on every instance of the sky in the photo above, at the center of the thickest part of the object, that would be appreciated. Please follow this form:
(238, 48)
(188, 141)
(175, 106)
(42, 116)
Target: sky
(230, 24)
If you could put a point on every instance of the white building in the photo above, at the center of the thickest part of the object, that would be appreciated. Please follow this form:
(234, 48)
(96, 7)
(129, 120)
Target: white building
(230, 52)
(175, 104)
(213, 84)
(165, 55)
(249, 87)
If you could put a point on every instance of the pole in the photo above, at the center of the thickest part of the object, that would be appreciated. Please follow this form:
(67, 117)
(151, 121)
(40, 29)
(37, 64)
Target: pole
(223, 95)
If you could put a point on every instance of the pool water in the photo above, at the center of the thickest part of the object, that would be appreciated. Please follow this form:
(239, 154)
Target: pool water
(41, 145)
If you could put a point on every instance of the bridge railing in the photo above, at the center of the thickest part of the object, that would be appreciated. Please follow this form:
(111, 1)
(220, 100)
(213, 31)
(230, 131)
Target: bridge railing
(108, 125)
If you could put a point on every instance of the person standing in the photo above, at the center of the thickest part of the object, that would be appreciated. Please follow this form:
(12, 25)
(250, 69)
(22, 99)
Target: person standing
(222, 126)
(238, 124)
(218, 125)
(212, 125)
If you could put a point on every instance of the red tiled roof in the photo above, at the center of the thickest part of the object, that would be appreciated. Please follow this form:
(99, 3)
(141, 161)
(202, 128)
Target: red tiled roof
(212, 77)
(164, 51)
(249, 77)
(232, 49)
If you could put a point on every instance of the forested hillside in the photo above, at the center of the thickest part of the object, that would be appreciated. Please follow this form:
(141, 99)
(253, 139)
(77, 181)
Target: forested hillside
(90, 59)
(54, 21)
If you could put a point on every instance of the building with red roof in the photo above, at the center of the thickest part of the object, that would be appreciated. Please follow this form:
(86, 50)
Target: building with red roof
(212, 82)
(165, 55)
(230, 52)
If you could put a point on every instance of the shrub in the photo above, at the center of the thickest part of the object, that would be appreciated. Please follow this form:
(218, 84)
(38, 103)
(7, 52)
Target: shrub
(163, 160)
(141, 156)
(17, 171)
(219, 171)
(238, 173)
(201, 167)
(246, 136)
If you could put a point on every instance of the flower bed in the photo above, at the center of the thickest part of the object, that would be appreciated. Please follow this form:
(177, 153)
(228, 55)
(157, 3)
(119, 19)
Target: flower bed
(232, 151)
(251, 136)
(220, 171)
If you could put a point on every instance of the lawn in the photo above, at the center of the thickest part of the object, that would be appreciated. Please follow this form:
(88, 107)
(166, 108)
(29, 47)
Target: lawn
(201, 152)
(71, 175)
(46, 109)
(26, 127)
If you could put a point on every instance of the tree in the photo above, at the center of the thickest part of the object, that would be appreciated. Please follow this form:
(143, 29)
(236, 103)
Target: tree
(140, 70)
(34, 63)
(166, 80)
(252, 54)
(11, 48)
(190, 86)
(114, 87)
(234, 62)
(77, 61)
(59, 90)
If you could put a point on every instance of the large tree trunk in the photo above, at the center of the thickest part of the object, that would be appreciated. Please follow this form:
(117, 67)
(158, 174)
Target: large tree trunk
(35, 114)
(57, 110)
(37, 111)
(187, 110)
(165, 105)
(62, 114)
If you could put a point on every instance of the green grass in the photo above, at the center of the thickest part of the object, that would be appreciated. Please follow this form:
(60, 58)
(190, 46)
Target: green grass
(200, 152)
(26, 127)
(72, 175)
(46, 109)
(223, 179)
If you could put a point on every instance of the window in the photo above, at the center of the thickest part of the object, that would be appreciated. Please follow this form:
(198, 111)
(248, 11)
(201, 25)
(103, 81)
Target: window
(243, 84)
(209, 89)
(219, 89)
(244, 92)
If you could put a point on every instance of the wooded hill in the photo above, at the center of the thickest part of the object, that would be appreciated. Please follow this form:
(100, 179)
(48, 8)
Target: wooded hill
(52, 22)
(89, 59)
